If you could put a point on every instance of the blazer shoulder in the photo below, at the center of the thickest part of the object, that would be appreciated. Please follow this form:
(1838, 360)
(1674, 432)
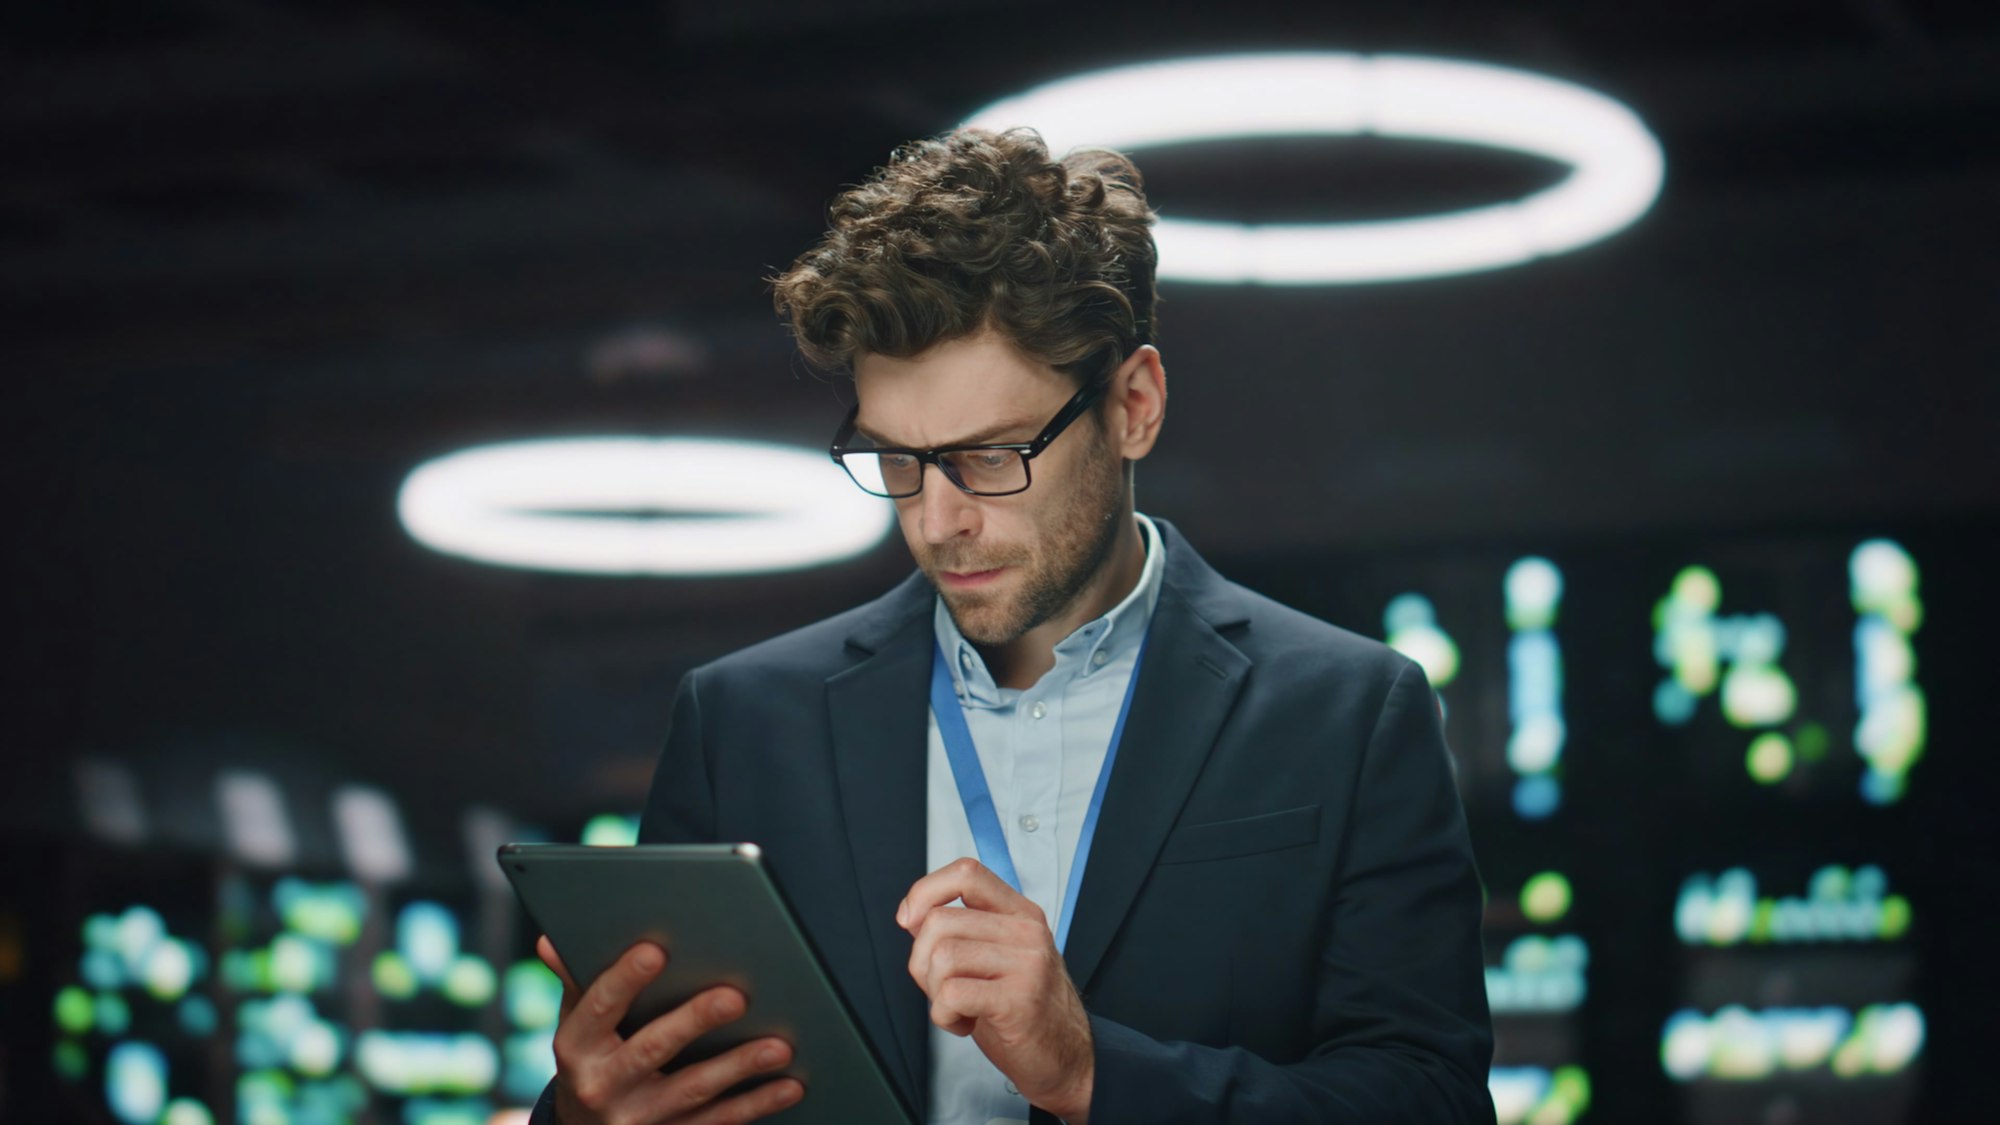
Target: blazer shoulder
(1274, 634)
(1300, 648)
(825, 647)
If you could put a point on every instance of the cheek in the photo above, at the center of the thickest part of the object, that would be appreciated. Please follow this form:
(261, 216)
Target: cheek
(910, 517)
(1051, 524)
(1009, 522)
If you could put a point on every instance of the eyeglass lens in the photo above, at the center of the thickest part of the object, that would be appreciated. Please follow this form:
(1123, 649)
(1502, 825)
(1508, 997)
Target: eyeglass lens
(902, 474)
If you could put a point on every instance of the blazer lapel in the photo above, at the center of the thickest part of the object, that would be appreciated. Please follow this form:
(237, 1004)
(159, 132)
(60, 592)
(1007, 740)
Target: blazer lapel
(1188, 681)
(876, 711)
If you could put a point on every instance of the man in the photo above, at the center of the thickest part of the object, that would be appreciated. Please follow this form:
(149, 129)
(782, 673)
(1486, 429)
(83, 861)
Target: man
(1192, 856)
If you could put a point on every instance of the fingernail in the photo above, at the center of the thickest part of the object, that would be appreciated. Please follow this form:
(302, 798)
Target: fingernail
(769, 1056)
(903, 912)
(648, 959)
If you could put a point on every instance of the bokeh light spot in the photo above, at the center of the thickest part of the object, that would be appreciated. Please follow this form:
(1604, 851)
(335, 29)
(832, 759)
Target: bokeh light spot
(1770, 758)
(1546, 897)
(75, 1011)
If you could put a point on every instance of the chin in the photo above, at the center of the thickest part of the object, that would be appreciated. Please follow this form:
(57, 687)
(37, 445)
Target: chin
(985, 621)
(987, 626)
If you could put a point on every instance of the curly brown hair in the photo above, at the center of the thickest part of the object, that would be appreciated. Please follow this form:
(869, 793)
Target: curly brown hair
(972, 230)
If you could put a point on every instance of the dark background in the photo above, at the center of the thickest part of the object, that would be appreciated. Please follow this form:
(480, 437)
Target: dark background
(258, 260)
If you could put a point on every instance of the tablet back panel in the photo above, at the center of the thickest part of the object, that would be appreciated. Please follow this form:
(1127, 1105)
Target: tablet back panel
(721, 920)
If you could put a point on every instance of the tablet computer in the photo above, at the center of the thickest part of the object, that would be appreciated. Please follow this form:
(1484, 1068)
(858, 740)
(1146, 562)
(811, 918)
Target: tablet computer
(721, 919)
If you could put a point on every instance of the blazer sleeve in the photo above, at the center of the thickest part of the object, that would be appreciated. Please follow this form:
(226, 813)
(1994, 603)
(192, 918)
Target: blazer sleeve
(681, 807)
(680, 810)
(1400, 1000)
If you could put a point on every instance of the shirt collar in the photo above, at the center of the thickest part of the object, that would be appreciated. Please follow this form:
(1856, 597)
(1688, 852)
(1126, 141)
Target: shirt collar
(1094, 646)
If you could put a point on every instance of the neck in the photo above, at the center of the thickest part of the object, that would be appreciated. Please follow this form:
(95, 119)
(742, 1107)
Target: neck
(1025, 659)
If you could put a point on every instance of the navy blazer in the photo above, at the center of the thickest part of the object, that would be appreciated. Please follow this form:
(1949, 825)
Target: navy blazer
(1279, 918)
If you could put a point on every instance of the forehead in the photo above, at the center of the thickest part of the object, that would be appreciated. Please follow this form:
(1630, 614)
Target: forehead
(959, 390)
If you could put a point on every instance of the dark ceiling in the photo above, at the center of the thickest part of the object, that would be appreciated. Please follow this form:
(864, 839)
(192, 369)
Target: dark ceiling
(259, 259)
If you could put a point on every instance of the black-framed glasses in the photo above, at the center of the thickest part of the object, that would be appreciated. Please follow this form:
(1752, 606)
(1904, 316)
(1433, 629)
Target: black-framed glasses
(999, 469)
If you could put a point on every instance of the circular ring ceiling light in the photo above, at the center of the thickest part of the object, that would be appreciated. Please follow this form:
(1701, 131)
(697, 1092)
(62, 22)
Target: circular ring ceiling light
(632, 505)
(1615, 164)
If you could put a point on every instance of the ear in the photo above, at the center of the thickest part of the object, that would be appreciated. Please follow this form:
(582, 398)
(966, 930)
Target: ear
(1136, 403)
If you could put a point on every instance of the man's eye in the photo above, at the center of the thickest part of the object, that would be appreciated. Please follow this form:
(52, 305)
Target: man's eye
(898, 460)
(993, 458)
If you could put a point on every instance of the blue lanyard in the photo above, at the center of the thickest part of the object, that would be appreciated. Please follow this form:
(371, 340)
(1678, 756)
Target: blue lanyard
(978, 799)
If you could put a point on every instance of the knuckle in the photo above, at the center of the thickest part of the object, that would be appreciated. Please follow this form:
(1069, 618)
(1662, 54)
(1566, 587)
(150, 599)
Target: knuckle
(949, 957)
(696, 1091)
(590, 1092)
(655, 1046)
(965, 865)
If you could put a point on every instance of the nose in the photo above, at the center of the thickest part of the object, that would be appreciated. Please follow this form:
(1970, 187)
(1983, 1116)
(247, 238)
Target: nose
(947, 511)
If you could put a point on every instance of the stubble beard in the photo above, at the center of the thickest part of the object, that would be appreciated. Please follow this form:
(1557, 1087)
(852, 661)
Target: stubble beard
(1054, 572)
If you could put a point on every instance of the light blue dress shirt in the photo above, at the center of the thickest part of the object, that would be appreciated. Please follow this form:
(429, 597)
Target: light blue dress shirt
(1041, 749)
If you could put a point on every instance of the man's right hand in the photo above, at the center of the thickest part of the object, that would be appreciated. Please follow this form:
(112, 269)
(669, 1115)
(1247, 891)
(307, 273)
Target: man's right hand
(602, 1076)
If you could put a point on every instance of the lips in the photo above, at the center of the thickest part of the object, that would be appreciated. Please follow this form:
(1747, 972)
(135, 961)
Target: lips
(968, 579)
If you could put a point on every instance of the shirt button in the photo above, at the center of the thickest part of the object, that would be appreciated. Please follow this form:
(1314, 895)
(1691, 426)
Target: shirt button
(1030, 823)
(1039, 709)
(1013, 1089)
(965, 661)
(1099, 658)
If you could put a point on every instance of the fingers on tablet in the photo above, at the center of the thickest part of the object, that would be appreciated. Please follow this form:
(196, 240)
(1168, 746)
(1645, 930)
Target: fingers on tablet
(660, 1041)
(694, 1089)
(604, 1005)
(546, 950)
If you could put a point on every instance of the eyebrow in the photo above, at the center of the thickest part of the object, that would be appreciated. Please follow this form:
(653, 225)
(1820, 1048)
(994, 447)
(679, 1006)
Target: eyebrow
(977, 437)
